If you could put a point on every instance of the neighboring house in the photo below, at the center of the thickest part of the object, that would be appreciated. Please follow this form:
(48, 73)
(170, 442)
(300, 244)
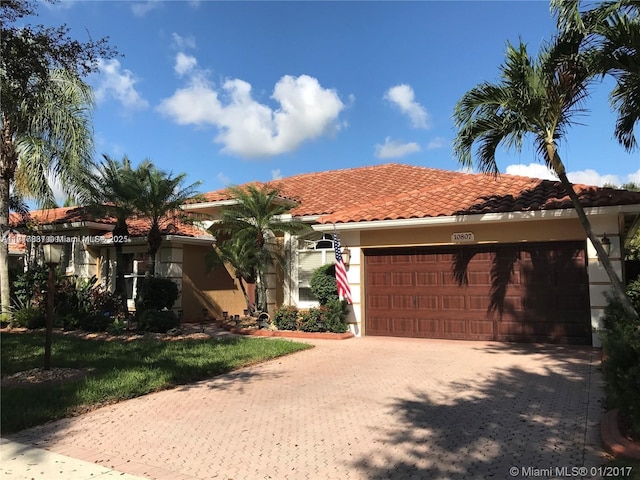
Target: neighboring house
(89, 251)
(440, 254)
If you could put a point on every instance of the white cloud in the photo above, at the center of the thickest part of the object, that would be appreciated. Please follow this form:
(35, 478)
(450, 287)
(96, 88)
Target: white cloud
(119, 84)
(276, 174)
(586, 177)
(140, 9)
(436, 143)
(535, 170)
(249, 128)
(223, 179)
(184, 64)
(404, 97)
(395, 149)
(182, 43)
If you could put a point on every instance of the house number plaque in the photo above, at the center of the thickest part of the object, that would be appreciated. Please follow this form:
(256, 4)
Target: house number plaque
(463, 237)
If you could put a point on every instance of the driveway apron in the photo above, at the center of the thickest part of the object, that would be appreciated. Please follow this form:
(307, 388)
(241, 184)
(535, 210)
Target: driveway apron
(364, 408)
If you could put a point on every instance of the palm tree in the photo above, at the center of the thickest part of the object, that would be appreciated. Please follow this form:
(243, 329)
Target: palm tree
(538, 98)
(255, 220)
(609, 36)
(160, 201)
(45, 135)
(243, 258)
(114, 188)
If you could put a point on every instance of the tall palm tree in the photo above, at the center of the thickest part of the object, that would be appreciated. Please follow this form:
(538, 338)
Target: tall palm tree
(160, 201)
(537, 98)
(609, 36)
(45, 135)
(256, 219)
(114, 188)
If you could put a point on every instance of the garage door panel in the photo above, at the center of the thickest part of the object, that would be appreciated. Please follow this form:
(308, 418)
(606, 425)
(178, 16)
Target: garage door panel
(527, 292)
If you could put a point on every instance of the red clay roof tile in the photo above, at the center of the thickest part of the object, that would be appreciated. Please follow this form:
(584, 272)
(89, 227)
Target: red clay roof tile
(396, 191)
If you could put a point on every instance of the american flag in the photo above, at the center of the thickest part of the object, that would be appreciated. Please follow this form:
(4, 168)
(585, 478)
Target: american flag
(344, 292)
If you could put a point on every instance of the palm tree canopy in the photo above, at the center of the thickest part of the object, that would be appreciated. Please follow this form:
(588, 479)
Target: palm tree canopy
(113, 190)
(257, 215)
(609, 35)
(53, 136)
(535, 97)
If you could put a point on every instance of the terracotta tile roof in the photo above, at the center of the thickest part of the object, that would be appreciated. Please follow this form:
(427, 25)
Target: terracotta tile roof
(138, 227)
(396, 191)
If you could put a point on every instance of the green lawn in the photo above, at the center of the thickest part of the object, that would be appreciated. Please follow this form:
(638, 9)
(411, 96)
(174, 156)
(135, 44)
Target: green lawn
(120, 370)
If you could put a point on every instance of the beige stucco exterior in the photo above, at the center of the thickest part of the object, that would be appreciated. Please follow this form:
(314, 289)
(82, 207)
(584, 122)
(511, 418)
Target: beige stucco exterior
(508, 228)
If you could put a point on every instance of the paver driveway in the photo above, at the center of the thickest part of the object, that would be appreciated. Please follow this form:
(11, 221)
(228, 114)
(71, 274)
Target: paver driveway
(364, 408)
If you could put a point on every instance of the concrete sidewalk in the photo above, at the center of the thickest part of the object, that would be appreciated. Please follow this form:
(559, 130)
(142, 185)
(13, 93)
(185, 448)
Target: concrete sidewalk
(24, 462)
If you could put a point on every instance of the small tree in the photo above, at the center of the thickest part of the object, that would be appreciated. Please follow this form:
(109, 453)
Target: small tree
(323, 283)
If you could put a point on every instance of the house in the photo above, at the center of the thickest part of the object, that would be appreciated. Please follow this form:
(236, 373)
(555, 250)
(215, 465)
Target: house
(451, 255)
(89, 250)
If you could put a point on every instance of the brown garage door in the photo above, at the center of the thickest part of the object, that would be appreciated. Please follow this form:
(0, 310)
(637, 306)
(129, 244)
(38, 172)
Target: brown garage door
(533, 292)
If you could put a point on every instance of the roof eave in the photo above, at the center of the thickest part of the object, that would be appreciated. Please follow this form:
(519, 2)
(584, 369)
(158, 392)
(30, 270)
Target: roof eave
(478, 218)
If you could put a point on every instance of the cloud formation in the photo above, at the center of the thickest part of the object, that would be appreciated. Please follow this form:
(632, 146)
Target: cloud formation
(182, 43)
(140, 9)
(586, 177)
(395, 149)
(251, 129)
(276, 174)
(184, 64)
(115, 82)
(404, 98)
(438, 142)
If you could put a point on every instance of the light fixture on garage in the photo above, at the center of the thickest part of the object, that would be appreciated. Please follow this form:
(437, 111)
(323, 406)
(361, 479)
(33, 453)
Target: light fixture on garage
(346, 256)
(606, 244)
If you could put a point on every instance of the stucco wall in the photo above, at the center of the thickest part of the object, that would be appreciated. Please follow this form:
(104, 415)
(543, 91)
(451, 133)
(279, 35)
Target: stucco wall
(217, 290)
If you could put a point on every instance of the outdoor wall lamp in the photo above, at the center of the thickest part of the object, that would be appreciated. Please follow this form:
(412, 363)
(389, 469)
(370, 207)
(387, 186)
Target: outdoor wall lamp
(606, 244)
(52, 256)
(346, 256)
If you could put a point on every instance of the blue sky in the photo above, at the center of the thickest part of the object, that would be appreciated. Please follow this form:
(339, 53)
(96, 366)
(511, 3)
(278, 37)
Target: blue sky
(230, 92)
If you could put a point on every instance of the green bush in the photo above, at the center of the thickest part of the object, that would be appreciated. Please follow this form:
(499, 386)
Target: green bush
(95, 322)
(633, 292)
(313, 321)
(158, 321)
(323, 283)
(156, 294)
(335, 315)
(621, 369)
(286, 318)
(29, 317)
(29, 288)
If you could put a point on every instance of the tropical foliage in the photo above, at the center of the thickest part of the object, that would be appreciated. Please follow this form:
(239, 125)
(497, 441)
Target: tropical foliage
(538, 98)
(248, 230)
(46, 112)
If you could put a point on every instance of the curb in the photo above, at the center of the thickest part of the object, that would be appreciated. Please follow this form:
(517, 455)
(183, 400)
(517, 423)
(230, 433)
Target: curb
(613, 441)
(289, 334)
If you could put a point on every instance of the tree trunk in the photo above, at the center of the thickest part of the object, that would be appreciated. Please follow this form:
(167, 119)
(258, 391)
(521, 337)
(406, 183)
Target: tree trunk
(8, 163)
(244, 292)
(618, 287)
(5, 292)
(49, 326)
(120, 286)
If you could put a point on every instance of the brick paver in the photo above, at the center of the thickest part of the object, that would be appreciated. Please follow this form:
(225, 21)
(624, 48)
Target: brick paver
(365, 408)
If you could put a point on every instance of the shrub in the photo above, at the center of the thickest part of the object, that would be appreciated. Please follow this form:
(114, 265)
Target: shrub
(95, 322)
(323, 283)
(29, 287)
(313, 321)
(633, 292)
(621, 369)
(335, 315)
(156, 294)
(29, 317)
(158, 321)
(286, 318)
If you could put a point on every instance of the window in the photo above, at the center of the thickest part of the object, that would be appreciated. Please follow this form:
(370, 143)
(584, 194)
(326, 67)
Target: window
(313, 252)
(135, 268)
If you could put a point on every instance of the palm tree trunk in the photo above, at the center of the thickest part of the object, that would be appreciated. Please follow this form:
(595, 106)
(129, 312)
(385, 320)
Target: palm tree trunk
(618, 287)
(120, 287)
(8, 162)
(5, 292)
(244, 292)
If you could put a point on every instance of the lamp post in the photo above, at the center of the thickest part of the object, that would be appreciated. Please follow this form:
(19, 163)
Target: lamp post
(52, 254)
